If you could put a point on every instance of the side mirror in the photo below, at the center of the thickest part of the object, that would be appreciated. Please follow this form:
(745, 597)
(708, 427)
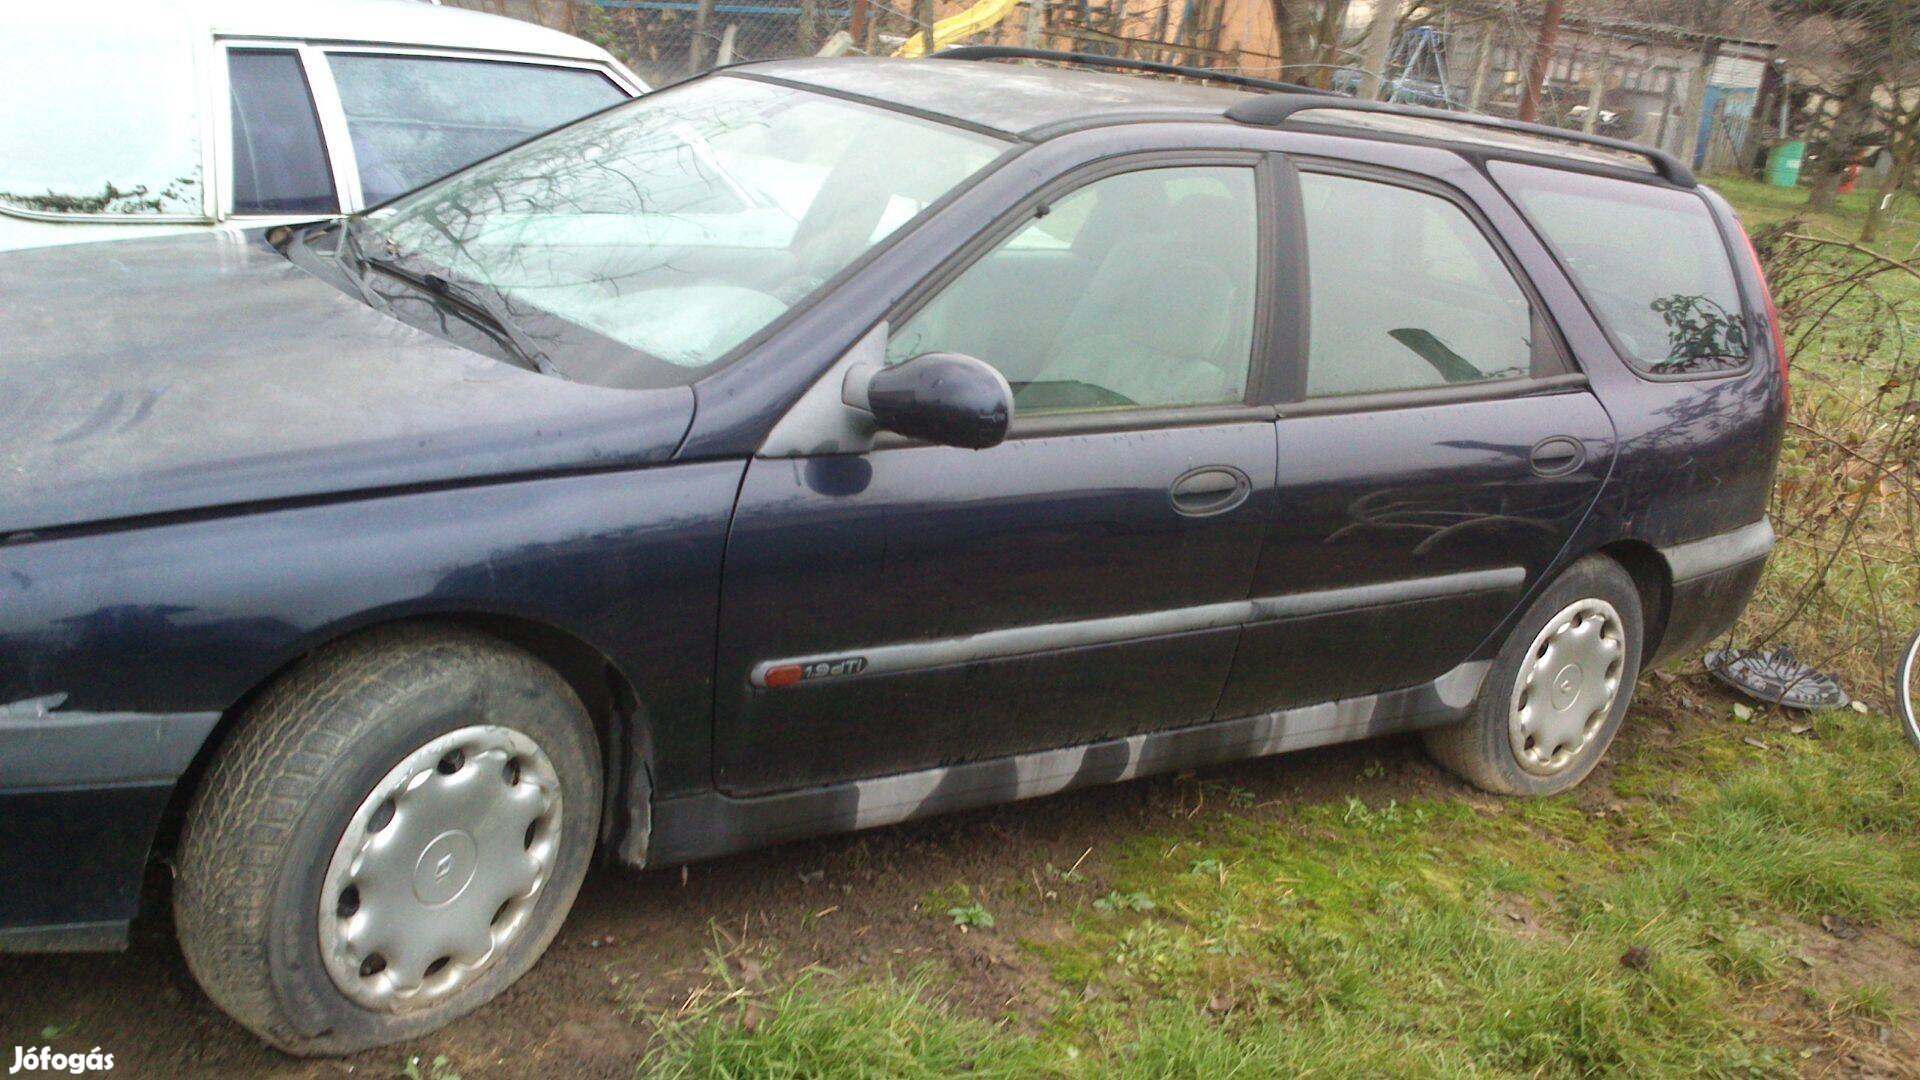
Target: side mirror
(945, 398)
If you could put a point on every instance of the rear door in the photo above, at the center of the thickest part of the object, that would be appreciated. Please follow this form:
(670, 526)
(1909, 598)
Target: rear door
(1435, 452)
(913, 606)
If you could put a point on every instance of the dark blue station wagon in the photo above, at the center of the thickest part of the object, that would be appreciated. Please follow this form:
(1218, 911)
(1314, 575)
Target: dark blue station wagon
(817, 445)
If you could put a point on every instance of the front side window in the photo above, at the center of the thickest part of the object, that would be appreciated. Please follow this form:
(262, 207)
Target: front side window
(279, 163)
(417, 118)
(1405, 292)
(685, 223)
(99, 115)
(1134, 291)
(1650, 261)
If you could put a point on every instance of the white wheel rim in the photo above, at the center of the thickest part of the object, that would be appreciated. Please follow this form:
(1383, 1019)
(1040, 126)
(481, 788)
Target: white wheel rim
(439, 868)
(1567, 686)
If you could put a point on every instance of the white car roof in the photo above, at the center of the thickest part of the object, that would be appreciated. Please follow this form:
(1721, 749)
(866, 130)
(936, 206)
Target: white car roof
(387, 22)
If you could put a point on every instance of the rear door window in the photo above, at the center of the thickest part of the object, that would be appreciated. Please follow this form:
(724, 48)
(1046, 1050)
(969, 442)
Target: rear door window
(279, 162)
(1650, 261)
(1405, 292)
(99, 115)
(417, 118)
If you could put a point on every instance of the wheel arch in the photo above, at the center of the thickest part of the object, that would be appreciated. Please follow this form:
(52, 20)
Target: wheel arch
(611, 700)
(1654, 580)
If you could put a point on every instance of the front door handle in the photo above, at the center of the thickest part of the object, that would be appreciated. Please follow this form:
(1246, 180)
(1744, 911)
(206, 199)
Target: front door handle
(1557, 456)
(1210, 489)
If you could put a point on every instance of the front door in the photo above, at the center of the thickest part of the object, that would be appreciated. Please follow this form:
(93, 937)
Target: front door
(913, 606)
(1436, 457)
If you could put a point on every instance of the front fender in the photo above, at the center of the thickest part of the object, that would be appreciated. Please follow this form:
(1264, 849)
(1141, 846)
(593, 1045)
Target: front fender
(186, 617)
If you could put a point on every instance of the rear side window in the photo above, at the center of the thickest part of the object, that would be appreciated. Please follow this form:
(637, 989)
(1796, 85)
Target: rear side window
(1405, 292)
(417, 118)
(1650, 261)
(99, 115)
(279, 163)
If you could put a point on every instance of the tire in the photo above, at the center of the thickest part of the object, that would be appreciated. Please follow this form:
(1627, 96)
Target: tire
(1485, 750)
(1906, 690)
(283, 816)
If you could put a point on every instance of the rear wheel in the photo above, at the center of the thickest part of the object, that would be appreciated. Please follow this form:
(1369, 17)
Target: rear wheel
(1558, 689)
(392, 836)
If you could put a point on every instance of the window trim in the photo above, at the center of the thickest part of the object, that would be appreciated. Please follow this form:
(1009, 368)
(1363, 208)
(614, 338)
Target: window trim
(1427, 396)
(1253, 404)
(1632, 363)
(1553, 366)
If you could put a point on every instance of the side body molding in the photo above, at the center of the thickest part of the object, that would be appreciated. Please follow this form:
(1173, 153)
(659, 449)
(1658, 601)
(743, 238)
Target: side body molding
(1026, 640)
(709, 824)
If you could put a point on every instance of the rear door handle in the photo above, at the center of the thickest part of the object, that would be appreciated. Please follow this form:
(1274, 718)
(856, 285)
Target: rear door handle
(1558, 455)
(1210, 489)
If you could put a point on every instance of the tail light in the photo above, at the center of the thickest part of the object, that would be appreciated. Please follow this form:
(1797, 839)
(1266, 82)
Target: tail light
(1773, 316)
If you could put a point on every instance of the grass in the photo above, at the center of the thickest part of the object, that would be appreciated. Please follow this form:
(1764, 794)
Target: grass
(1346, 938)
(1658, 934)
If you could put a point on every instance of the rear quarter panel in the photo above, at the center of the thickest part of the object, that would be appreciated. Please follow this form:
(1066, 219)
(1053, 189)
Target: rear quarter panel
(1697, 453)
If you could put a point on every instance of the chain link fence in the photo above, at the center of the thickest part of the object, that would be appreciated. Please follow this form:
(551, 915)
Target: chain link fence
(668, 40)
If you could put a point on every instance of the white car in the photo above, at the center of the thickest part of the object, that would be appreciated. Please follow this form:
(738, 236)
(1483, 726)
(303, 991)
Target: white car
(123, 118)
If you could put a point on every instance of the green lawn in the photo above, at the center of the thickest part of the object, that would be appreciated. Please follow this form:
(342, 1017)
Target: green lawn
(1680, 915)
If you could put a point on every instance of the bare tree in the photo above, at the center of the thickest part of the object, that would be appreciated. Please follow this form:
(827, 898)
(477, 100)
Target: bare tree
(1879, 39)
(1310, 37)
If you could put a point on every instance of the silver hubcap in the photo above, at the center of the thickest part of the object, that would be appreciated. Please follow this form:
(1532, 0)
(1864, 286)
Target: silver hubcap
(439, 868)
(1567, 686)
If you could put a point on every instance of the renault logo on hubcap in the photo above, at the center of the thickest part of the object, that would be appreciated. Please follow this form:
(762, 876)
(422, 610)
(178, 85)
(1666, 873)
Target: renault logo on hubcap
(1566, 686)
(445, 867)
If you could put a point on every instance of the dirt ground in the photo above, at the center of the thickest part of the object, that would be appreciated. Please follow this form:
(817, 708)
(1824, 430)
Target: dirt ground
(638, 944)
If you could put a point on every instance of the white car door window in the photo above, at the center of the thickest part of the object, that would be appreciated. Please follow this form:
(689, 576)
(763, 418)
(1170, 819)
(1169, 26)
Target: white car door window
(417, 118)
(279, 161)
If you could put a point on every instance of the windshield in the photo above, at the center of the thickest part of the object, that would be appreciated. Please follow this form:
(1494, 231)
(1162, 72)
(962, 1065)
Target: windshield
(683, 224)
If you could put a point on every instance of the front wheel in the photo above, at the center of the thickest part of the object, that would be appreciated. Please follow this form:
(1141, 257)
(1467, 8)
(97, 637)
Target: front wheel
(1557, 690)
(392, 836)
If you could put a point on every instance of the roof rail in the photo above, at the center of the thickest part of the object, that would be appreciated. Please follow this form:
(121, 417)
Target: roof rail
(1015, 52)
(1273, 111)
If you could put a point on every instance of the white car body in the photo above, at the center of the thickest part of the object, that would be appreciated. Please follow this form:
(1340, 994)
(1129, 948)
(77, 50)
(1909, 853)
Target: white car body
(134, 97)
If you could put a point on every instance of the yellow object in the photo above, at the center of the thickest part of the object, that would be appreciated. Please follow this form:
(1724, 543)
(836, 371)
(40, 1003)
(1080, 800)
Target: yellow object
(956, 27)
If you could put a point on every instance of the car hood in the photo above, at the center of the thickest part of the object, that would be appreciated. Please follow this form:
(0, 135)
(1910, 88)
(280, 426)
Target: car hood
(182, 373)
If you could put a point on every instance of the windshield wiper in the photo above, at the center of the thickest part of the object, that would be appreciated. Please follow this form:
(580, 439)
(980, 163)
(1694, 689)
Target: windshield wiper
(485, 313)
(349, 245)
(495, 312)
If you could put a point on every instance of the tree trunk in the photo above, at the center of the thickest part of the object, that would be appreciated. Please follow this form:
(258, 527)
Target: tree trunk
(1897, 178)
(1843, 143)
(1903, 143)
(924, 16)
(1482, 67)
(1292, 24)
(697, 43)
(1333, 17)
(1597, 87)
(1379, 46)
(1542, 60)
